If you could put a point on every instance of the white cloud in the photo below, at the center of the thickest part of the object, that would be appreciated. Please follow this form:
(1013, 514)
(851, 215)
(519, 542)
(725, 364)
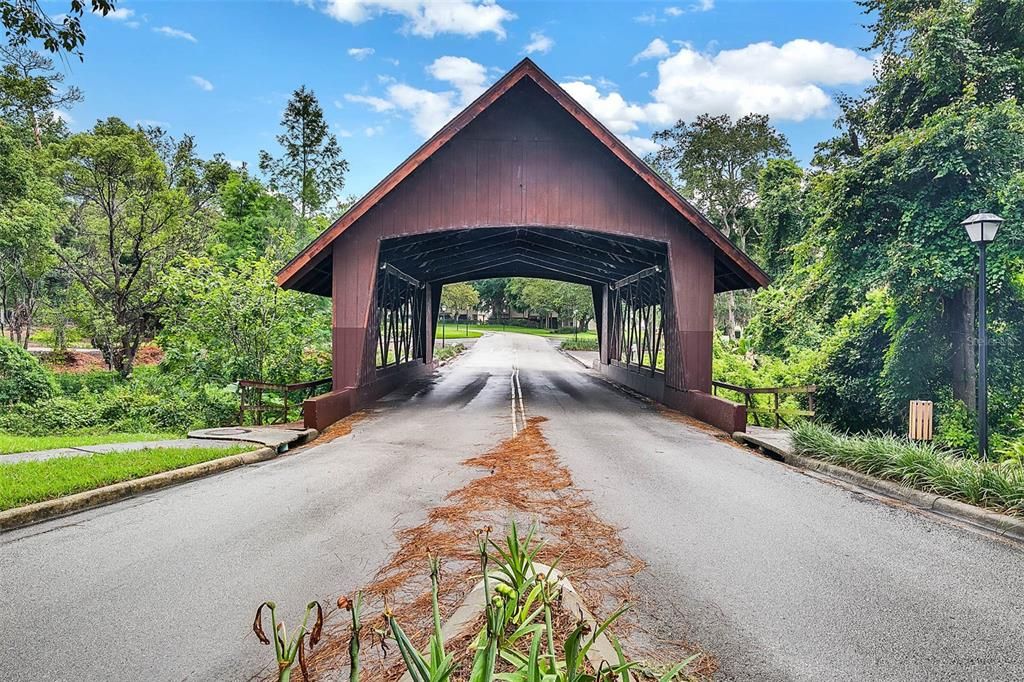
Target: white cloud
(60, 115)
(428, 17)
(119, 14)
(656, 49)
(378, 104)
(783, 82)
(342, 132)
(360, 53)
(674, 11)
(176, 33)
(466, 75)
(647, 18)
(202, 83)
(428, 110)
(641, 145)
(392, 61)
(539, 43)
(373, 131)
(612, 110)
(703, 6)
(786, 82)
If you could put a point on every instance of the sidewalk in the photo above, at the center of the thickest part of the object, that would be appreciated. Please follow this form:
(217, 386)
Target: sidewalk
(279, 438)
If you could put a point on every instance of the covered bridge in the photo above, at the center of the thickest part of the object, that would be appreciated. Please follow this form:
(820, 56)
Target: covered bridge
(524, 182)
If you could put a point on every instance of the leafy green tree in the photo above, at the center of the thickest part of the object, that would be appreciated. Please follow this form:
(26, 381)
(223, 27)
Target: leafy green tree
(311, 170)
(33, 95)
(254, 223)
(25, 20)
(572, 302)
(30, 210)
(458, 297)
(717, 163)
(494, 293)
(130, 219)
(224, 324)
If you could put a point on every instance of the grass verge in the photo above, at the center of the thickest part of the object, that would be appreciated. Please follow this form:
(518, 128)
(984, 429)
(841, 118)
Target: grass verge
(996, 486)
(23, 483)
(531, 331)
(10, 443)
(449, 331)
(448, 352)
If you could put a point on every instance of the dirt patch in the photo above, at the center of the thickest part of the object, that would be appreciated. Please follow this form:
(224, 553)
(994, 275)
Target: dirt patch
(525, 480)
(340, 428)
(77, 362)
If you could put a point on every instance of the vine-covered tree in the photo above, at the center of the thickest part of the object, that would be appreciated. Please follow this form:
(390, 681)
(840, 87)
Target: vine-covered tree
(311, 169)
(939, 137)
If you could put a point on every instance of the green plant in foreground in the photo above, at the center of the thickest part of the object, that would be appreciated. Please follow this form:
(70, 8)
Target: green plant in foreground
(438, 666)
(355, 607)
(288, 650)
(517, 556)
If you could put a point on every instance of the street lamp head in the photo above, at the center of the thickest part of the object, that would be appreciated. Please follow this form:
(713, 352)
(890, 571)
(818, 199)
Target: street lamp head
(982, 227)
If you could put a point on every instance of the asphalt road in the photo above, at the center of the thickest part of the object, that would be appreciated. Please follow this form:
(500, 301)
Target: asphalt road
(782, 576)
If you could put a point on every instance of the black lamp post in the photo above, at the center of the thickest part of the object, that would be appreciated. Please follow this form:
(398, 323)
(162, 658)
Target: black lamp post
(444, 334)
(981, 229)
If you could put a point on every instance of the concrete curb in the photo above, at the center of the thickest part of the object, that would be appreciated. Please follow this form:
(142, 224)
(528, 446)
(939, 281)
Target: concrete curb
(573, 358)
(62, 506)
(1003, 525)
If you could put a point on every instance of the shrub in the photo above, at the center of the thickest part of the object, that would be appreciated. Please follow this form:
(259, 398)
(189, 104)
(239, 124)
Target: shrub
(955, 426)
(72, 383)
(23, 379)
(580, 344)
(926, 467)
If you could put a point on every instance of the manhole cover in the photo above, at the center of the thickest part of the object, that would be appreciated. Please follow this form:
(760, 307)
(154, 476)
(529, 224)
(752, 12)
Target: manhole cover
(227, 432)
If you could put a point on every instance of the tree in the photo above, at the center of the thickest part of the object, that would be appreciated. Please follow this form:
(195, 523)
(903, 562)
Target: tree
(128, 223)
(311, 170)
(779, 216)
(459, 297)
(574, 302)
(32, 93)
(938, 137)
(30, 209)
(254, 223)
(718, 163)
(224, 324)
(25, 20)
(494, 293)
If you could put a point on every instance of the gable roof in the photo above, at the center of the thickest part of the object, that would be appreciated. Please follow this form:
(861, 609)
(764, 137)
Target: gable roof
(748, 270)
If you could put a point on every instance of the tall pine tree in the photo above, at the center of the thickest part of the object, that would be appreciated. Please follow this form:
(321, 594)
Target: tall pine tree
(311, 170)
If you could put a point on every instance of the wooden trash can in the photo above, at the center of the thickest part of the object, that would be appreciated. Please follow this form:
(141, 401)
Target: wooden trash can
(920, 420)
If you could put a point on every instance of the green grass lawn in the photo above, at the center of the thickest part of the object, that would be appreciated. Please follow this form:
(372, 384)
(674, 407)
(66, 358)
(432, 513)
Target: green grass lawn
(529, 330)
(9, 443)
(450, 331)
(23, 483)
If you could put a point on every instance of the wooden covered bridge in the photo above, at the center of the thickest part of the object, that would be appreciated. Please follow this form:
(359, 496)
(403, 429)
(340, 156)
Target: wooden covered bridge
(524, 182)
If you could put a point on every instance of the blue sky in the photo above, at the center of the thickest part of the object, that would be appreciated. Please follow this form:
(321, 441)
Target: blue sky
(389, 72)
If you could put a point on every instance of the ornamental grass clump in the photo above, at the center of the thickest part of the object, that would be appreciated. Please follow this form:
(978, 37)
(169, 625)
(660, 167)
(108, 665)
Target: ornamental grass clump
(924, 466)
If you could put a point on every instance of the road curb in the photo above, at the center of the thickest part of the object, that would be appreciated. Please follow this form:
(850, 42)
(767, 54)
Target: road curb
(62, 506)
(994, 522)
(573, 358)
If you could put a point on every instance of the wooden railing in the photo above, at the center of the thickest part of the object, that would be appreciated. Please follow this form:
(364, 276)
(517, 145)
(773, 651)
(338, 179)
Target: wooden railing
(252, 398)
(779, 413)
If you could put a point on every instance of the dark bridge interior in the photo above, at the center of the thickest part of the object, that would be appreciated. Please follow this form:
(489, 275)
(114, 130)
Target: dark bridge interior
(562, 254)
